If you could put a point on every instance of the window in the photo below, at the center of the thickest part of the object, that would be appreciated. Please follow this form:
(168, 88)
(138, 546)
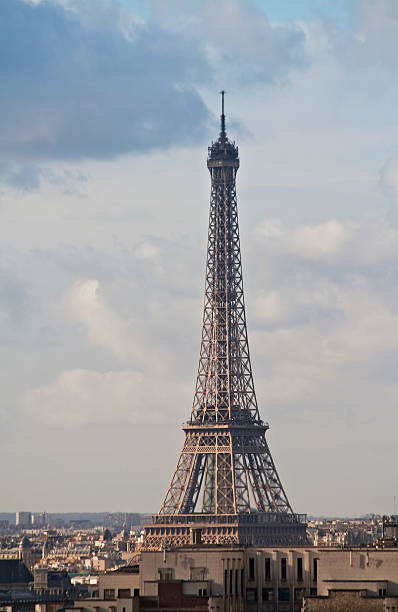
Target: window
(315, 574)
(299, 594)
(123, 593)
(382, 592)
(236, 581)
(109, 593)
(251, 594)
(225, 582)
(299, 568)
(242, 581)
(268, 594)
(284, 594)
(196, 536)
(230, 581)
(202, 592)
(165, 574)
(283, 568)
(251, 568)
(136, 592)
(267, 569)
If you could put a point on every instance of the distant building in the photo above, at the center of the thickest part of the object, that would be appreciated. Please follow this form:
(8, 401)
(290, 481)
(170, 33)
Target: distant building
(390, 530)
(39, 519)
(51, 582)
(100, 564)
(28, 553)
(23, 519)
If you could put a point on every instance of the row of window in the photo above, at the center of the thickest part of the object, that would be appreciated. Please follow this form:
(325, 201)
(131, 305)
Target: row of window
(283, 594)
(283, 569)
(121, 593)
(234, 581)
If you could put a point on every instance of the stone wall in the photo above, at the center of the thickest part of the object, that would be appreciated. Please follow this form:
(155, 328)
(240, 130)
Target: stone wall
(343, 601)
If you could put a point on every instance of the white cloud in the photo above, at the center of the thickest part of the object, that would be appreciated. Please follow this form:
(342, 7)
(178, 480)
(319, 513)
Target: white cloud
(322, 240)
(243, 47)
(268, 306)
(147, 250)
(87, 397)
(136, 341)
(368, 241)
(84, 304)
(375, 34)
(299, 358)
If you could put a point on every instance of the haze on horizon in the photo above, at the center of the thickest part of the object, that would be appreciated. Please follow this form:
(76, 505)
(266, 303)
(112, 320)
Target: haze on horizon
(107, 109)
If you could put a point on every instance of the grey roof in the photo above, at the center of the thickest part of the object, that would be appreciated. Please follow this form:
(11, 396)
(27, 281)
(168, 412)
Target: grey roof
(25, 543)
(14, 571)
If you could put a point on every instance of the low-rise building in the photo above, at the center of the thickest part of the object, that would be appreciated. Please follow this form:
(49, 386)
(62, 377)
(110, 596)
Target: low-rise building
(358, 578)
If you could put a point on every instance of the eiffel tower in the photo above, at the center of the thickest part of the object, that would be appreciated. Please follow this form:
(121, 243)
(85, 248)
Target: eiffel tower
(225, 489)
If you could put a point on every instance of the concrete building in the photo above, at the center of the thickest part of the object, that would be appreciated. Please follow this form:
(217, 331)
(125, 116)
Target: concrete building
(390, 530)
(23, 520)
(244, 579)
(372, 570)
(356, 579)
(39, 519)
(210, 577)
(349, 601)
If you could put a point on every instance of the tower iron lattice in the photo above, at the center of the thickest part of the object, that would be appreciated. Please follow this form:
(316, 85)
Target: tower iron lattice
(225, 489)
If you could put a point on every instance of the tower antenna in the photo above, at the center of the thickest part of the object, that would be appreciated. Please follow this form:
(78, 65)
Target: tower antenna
(223, 133)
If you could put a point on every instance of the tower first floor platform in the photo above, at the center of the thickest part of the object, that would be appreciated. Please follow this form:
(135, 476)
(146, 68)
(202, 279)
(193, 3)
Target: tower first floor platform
(254, 529)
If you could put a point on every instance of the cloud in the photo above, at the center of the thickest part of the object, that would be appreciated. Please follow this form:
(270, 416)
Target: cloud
(302, 353)
(373, 38)
(25, 177)
(86, 80)
(29, 176)
(323, 241)
(84, 304)
(368, 242)
(242, 47)
(87, 397)
(14, 302)
(129, 340)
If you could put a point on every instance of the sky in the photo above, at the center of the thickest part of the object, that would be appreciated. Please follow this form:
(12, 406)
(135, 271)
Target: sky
(106, 112)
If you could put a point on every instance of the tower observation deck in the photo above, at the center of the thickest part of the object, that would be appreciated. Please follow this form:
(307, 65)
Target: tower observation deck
(225, 489)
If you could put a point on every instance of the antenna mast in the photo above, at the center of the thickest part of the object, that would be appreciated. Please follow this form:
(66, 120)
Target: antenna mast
(223, 133)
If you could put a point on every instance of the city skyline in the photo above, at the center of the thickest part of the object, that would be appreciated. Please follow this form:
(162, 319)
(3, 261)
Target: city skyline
(103, 215)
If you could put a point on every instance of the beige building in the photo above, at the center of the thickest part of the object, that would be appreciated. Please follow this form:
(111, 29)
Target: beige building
(356, 579)
(202, 578)
(238, 579)
(246, 578)
(374, 570)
